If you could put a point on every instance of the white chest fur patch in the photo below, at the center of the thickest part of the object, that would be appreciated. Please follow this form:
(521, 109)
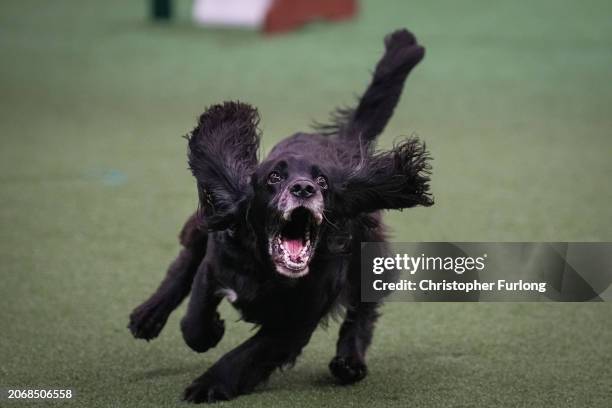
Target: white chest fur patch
(230, 294)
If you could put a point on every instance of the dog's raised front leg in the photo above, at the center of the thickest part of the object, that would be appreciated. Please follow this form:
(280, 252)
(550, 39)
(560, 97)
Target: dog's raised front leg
(240, 370)
(202, 327)
(148, 319)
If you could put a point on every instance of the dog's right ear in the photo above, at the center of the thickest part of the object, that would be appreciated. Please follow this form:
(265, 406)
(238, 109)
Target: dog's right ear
(222, 157)
(388, 180)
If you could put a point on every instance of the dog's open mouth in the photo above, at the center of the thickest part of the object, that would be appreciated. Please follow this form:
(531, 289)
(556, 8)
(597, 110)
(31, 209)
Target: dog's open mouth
(292, 244)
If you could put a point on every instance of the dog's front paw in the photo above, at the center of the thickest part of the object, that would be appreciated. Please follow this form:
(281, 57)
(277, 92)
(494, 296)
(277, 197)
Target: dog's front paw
(207, 389)
(202, 337)
(348, 370)
(148, 319)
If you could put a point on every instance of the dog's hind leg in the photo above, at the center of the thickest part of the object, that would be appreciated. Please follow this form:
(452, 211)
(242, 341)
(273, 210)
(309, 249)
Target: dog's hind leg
(148, 319)
(251, 363)
(376, 105)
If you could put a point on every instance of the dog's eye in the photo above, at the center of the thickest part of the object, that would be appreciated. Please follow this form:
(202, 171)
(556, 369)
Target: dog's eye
(274, 178)
(322, 182)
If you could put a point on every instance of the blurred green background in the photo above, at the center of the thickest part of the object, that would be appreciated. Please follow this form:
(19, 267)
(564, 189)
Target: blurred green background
(513, 100)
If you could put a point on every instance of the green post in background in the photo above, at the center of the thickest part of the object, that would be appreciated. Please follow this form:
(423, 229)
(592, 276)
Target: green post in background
(161, 9)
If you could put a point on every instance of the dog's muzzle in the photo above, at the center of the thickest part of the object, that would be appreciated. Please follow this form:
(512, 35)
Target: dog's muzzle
(292, 243)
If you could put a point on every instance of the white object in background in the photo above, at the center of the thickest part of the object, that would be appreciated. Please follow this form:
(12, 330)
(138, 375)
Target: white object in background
(241, 13)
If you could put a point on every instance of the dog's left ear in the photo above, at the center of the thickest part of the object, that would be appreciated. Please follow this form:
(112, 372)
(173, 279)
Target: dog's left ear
(222, 157)
(394, 179)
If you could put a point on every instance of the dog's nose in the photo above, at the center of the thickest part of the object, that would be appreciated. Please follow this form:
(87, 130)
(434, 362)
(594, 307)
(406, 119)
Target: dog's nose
(302, 189)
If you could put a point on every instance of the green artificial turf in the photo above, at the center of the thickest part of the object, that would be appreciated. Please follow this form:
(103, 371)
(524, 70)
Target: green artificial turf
(513, 99)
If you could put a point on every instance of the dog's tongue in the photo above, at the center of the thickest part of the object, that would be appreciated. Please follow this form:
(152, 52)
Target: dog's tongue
(294, 246)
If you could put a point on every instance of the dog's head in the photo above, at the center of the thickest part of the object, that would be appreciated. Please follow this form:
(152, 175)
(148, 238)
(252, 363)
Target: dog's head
(292, 193)
(292, 198)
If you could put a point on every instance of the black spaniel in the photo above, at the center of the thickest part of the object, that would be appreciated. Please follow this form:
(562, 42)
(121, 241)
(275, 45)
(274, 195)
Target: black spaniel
(280, 238)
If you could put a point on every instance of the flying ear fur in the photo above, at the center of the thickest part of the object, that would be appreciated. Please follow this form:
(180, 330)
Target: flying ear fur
(222, 155)
(394, 179)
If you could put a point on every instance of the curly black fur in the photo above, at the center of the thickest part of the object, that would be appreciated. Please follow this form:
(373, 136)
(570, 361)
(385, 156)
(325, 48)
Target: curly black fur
(320, 193)
(222, 155)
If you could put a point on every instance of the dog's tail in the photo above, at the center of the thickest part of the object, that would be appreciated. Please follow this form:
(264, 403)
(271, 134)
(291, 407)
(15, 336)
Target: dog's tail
(366, 121)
